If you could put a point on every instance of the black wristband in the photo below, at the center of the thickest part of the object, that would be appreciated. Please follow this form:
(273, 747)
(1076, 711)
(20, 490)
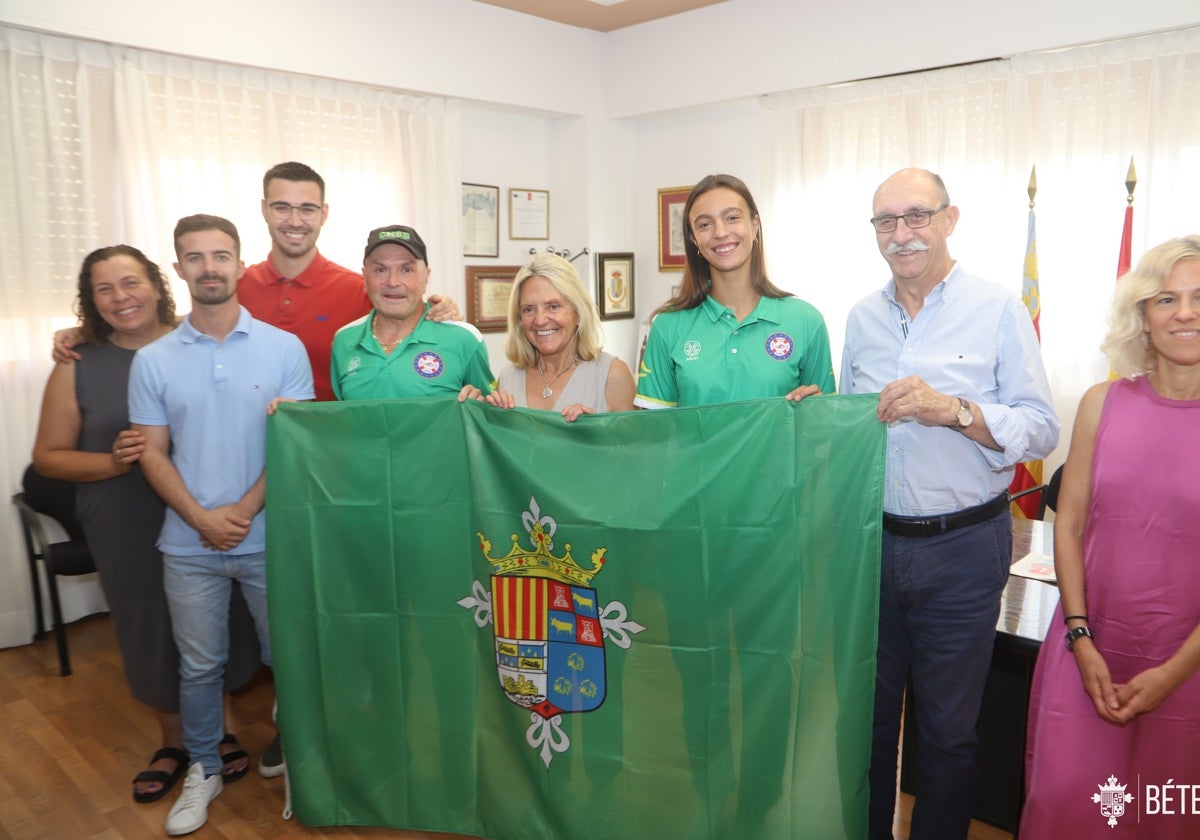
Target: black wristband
(1067, 618)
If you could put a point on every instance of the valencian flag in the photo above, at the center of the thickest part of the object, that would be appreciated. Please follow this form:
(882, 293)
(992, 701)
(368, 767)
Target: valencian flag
(640, 625)
(1028, 474)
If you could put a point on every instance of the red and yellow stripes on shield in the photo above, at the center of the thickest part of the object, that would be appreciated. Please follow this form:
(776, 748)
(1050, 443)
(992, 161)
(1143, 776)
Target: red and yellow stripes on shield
(520, 605)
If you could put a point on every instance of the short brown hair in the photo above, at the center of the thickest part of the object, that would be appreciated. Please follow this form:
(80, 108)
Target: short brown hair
(293, 171)
(202, 221)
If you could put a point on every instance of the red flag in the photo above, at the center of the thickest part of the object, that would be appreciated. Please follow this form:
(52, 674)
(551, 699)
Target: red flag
(1125, 258)
(1028, 475)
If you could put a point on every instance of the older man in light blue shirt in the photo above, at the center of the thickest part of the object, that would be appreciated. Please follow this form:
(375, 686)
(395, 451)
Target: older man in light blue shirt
(962, 388)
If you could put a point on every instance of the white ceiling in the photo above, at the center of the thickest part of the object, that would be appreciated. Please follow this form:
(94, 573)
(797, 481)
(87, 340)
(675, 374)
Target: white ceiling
(601, 15)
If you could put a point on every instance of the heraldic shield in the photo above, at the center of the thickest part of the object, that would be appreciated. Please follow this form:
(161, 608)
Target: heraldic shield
(549, 644)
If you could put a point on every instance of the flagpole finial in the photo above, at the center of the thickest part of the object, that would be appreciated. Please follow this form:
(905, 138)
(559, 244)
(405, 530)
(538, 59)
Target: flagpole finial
(1130, 181)
(1032, 185)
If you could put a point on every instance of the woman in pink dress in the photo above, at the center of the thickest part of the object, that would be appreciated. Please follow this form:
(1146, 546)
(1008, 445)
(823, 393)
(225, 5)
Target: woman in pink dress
(1114, 718)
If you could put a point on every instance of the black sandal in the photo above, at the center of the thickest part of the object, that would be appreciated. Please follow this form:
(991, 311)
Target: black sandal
(167, 780)
(231, 776)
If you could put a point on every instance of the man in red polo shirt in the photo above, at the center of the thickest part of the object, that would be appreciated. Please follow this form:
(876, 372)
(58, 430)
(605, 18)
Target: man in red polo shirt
(297, 289)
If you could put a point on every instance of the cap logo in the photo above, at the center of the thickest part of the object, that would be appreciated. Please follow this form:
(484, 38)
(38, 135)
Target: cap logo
(394, 234)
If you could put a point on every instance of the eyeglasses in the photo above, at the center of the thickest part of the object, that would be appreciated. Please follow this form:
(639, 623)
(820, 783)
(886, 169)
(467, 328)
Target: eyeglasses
(283, 210)
(915, 219)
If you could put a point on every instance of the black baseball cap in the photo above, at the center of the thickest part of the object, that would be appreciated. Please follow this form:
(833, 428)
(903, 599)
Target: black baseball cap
(399, 235)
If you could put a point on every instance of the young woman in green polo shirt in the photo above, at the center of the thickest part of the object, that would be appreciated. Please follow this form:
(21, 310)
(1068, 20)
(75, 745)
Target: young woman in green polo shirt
(730, 334)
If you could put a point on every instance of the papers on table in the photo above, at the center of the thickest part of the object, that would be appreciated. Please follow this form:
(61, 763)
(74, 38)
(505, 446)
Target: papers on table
(1036, 566)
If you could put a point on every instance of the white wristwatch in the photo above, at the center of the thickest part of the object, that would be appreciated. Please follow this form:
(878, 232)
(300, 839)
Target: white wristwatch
(964, 416)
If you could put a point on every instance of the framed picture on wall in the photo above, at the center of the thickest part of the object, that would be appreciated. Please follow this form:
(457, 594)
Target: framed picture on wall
(614, 285)
(480, 220)
(671, 256)
(528, 214)
(488, 288)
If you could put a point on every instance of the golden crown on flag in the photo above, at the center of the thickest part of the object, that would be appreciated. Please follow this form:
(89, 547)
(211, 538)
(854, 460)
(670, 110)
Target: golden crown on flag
(540, 560)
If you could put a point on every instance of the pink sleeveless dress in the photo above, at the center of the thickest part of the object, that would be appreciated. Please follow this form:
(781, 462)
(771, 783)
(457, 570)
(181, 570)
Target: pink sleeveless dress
(1142, 578)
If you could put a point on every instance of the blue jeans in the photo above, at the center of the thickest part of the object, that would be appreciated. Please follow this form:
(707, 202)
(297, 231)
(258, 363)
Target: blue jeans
(198, 589)
(938, 605)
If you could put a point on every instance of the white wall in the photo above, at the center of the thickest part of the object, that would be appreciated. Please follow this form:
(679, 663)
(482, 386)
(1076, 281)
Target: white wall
(449, 47)
(718, 53)
(751, 47)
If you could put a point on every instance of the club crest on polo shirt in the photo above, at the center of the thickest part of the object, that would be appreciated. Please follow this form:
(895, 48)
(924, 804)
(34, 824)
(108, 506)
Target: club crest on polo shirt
(780, 346)
(691, 349)
(429, 365)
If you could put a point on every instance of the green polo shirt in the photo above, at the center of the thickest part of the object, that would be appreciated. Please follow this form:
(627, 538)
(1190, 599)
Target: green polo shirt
(436, 360)
(702, 355)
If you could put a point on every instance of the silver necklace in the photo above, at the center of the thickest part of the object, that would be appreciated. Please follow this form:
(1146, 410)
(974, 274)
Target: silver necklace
(547, 391)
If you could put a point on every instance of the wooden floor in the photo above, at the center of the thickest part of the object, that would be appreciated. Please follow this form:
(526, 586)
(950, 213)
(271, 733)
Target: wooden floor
(71, 745)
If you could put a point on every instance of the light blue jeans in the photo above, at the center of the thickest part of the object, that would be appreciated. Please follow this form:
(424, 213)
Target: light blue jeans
(198, 589)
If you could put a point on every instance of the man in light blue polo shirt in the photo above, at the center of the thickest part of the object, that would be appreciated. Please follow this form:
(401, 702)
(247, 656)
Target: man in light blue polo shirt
(394, 351)
(200, 396)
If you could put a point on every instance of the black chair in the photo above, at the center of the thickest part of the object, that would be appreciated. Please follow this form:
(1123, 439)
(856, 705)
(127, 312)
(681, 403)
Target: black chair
(56, 499)
(1048, 498)
(1050, 494)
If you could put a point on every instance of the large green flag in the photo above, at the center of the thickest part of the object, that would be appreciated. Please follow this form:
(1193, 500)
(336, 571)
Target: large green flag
(640, 625)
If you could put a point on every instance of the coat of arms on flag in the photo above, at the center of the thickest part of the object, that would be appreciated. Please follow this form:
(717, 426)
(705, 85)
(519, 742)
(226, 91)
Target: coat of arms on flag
(549, 629)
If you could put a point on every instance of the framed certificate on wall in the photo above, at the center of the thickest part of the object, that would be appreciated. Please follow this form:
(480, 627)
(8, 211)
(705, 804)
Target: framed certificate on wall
(480, 220)
(528, 214)
(488, 289)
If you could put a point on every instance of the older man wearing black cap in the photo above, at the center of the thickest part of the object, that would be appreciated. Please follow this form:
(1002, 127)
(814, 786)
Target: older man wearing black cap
(392, 351)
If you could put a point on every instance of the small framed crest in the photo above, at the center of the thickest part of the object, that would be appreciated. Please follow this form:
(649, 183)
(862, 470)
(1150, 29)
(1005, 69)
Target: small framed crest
(614, 285)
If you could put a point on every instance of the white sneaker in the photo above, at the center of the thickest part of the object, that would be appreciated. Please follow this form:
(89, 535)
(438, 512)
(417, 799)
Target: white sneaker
(190, 811)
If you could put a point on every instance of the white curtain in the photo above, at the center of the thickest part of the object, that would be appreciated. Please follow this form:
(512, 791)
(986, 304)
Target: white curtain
(102, 144)
(1078, 114)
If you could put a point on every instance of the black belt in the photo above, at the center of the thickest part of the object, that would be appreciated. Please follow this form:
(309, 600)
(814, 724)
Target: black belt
(931, 526)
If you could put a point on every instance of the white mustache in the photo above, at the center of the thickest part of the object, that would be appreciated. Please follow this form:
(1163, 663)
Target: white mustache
(914, 245)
